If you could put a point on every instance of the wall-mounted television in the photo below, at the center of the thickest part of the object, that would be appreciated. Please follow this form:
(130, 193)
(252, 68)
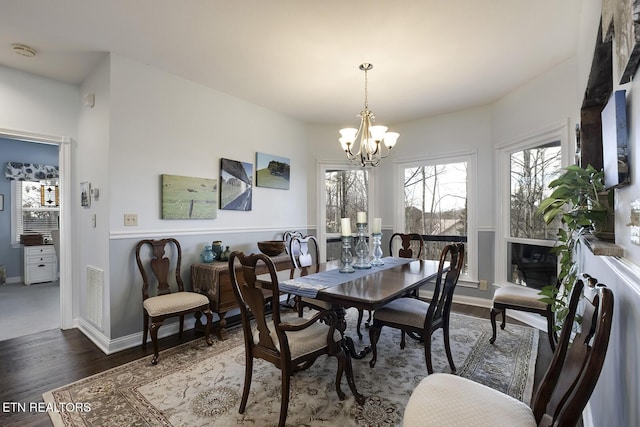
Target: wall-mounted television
(615, 148)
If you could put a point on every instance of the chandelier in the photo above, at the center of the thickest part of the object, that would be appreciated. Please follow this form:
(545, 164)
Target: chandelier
(362, 145)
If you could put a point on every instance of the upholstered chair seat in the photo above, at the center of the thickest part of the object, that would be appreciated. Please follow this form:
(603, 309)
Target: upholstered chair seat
(466, 403)
(520, 296)
(404, 311)
(308, 340)
(173, 303)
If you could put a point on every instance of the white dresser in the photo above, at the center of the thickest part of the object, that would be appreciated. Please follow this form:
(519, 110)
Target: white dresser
(40, 264)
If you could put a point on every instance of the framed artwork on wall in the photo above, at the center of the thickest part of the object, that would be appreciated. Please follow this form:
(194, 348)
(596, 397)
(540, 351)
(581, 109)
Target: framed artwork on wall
(236, 185)
(185, 197)
(272, 171)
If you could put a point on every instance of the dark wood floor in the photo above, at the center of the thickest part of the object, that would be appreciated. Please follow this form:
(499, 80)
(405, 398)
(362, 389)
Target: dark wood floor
(34, 364)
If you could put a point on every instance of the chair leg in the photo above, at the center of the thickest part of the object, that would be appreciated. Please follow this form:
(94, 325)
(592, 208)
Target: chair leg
(153, 329)
(248, 372)
(297, 302)
(447, 347)
(427, 351)
(284, 403)
(360, 314)
(494, 313)
(551, 331)
(403, 339)
(145, 329)
(181, 325)
(374, 336)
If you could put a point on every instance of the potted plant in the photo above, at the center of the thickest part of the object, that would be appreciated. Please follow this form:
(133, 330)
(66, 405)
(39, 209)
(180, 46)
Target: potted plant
(577, 200)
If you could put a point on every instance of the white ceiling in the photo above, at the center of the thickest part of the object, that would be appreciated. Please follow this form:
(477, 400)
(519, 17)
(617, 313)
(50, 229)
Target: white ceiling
(301, 57)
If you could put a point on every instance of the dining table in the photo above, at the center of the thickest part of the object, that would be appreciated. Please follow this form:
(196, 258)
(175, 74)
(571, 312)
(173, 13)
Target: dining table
(365, 289)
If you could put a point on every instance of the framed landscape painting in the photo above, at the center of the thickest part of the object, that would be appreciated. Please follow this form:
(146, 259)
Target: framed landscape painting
(272, 171)
(185, 197)
(236, 185)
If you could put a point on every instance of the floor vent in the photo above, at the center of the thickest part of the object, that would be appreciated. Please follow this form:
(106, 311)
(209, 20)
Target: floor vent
(95, 295)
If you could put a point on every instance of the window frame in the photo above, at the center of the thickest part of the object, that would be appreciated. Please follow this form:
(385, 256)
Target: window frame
(549, 134)
(470, 157)
(322, 168)
(17, 210)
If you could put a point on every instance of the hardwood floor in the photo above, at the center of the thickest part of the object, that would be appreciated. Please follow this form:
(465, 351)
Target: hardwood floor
(34, 364)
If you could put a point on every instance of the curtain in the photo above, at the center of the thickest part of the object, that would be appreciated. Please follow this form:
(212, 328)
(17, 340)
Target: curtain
(19, 171)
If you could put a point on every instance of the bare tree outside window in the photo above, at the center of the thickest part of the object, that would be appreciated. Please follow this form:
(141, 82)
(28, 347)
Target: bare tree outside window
(435, 202)
(346, 192)
(531, 172)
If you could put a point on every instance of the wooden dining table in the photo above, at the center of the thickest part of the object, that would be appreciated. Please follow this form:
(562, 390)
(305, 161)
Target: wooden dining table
(367, 289)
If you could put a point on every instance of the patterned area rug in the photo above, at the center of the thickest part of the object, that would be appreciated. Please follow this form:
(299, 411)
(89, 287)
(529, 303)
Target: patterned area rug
(196, 385)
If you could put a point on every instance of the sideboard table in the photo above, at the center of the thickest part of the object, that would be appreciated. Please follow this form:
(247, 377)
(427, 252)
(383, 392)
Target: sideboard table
(214, 281)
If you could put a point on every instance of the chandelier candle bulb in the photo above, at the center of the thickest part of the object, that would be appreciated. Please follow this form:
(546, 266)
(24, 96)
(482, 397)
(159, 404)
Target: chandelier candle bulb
(346, 226)
(377, 226)
(362, 217)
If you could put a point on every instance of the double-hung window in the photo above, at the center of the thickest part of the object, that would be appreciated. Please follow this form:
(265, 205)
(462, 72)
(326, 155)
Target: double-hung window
(35, 208)
(436, 196)
(527, 167)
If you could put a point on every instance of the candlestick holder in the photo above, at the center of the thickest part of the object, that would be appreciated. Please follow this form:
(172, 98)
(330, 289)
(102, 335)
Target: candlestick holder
(362, 248)
(377, 250)
(347, 258)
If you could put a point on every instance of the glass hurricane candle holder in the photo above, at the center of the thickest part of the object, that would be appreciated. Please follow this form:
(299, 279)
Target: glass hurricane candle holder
(377, 249)
(362, 247)
(347, 258)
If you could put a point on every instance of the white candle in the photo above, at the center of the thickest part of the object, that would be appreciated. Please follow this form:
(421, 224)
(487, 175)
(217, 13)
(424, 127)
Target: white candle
(362, 217)
(346, 226)
(377, 226)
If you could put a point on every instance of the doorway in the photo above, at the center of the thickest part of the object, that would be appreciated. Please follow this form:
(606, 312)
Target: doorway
(64, 256)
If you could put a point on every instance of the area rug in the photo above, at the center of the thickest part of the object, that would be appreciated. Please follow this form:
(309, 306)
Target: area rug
(196, 385)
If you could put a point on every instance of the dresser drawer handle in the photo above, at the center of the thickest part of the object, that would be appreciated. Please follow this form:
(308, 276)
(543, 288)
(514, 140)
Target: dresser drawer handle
(42, 265)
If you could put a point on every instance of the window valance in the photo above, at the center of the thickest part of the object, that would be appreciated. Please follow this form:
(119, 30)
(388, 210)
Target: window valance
(19, 171)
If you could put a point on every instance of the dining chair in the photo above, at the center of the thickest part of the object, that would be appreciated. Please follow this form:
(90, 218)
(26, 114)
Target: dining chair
(409, 242)
(522, 298)
(303, 258)
(421, 318)
(290, 343)
(158, 302)
(444, 399)
(286, 237)
(405, 250)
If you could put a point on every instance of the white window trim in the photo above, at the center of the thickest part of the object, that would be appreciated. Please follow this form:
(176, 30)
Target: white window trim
(555, 132)
(321, 169)
(471, 274)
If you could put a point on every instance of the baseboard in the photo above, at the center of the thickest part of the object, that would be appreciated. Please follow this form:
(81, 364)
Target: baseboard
(110, 346)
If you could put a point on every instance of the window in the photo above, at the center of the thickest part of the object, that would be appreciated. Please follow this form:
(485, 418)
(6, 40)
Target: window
(35, 208)
(532, 169)
(524, 240)
(344, 191)
(436, 199)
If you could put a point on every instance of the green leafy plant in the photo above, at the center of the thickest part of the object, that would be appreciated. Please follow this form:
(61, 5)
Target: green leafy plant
(576, 200)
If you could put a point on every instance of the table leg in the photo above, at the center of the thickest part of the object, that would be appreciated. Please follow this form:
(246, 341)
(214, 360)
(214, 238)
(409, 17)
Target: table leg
(347, 342)
(222, 324)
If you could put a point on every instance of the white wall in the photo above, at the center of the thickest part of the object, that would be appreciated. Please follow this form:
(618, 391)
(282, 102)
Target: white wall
(615, 399)
(37, 105)
(162, 124)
